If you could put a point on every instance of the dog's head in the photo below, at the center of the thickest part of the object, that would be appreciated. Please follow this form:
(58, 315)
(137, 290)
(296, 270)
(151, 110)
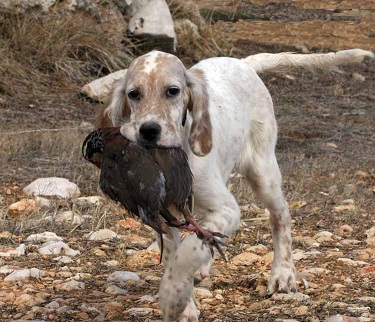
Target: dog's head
(152, 101)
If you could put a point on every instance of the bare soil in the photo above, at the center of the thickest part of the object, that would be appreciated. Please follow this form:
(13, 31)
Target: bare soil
(326, 136)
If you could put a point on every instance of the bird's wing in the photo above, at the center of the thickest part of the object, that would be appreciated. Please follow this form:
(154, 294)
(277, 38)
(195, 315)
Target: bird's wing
(175, 166)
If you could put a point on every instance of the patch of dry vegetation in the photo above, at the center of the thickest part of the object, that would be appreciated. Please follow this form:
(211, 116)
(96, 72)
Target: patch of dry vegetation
(46, 55)
(197, 39)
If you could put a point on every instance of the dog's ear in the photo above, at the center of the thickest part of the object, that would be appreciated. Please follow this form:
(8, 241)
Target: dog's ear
(116, 108)
(103, 118)
(200, 138)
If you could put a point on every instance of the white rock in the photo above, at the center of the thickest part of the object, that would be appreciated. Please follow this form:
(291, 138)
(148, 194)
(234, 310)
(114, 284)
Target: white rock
(71, 286)
(315, 271)
(43, 237)
(299, 256)
(6, 269)
(90, 201)
(138, 311)
(351, 262)
(323, 236)
(111, 263)
(54, 305)
(69, 217)
(100, 88)
(56, 248)
(103, 234)
(42, 202)
(63, 259)
(19, 251)
(146, 298)
(121, 276)
(154, 19)
(22, 274)
(53, 186)
(115, 290)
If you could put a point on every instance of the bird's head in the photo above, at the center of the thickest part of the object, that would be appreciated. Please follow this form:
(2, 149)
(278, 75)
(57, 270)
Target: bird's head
(93, 147)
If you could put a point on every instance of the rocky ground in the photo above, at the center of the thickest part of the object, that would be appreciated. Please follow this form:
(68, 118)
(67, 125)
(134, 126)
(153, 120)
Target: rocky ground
(88, 263)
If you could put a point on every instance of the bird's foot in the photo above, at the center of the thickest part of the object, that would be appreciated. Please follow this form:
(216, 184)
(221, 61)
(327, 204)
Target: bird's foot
(209, 238)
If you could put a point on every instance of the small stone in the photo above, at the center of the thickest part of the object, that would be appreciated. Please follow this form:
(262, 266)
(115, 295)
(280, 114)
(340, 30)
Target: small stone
(71, 286)
(342, 208)
(56, 248)
(351, 262)
(350, 242)
(43, 237)
(257, 249)
(121, 276)
(331, 145)
(297, 204)
(246, 259)
(262, 290)
(342, 318)
(30, 300)
(22, 206)
(323, 236)
(103, 234)
(64, 309)
(90, 201)
(41, 202)
(344, 230)
(370, 232)
(147, 298)
(115, 290)
(143, 257)
(54, 305)
(299, 297)
(22, 274)
(202, 293)
(129, 223)
(301, 310)
(19, 251)
(69, 217)
(138, 241)
(362, 175)
(63, 259)
(53, 186)
(111, 263)
(138, 311)
(358, 77)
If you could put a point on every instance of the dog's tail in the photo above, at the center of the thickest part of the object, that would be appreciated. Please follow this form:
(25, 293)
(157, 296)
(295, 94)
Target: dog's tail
(283, 62)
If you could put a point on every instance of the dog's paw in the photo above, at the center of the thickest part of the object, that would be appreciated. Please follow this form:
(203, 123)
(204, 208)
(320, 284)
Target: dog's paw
(282, 279)
(191, 312)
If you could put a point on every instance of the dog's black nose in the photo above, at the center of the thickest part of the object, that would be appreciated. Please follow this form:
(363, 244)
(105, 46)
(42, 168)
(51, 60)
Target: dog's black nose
(150, 131)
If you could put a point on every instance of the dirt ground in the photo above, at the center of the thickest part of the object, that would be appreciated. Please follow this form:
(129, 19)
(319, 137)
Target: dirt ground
(326, 153)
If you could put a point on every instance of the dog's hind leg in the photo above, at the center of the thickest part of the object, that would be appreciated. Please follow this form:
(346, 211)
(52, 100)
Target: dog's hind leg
(258, 163)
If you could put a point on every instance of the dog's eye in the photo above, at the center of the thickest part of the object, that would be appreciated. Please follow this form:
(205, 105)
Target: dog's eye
(134, 95)
(172, 91)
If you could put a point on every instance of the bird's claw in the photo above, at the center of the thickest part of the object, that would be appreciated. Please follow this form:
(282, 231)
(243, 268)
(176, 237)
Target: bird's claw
(209, 239)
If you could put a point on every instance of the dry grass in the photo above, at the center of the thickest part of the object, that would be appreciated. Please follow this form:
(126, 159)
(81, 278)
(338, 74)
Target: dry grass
(47, 55)
(197, 38)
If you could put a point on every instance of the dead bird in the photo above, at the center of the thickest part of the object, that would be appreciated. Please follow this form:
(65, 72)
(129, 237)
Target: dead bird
(146, 181)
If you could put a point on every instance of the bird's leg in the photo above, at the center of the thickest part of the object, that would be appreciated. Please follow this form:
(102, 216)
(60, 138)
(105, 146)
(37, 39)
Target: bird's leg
(208, 237)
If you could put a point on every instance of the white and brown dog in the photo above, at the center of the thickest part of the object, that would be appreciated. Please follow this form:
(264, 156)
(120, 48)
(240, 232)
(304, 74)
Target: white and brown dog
(222, 115)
